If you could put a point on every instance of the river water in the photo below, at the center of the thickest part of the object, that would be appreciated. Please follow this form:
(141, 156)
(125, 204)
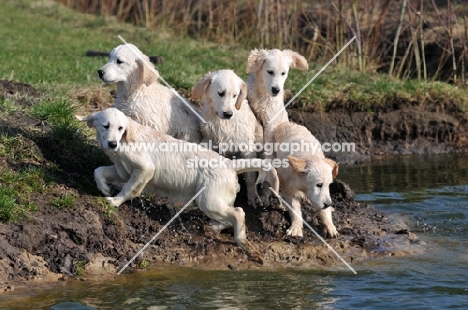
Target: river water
(431, 192)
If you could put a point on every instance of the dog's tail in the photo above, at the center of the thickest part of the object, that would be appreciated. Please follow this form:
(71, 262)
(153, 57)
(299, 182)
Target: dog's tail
(266, 172)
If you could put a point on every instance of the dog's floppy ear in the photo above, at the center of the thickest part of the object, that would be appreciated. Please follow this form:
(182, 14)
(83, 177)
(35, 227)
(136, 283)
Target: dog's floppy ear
(298, 61)
(198, 90)
(255, 60)
(130, 135)
(242, 95)
(147, 73)
(297, 164)
(334, 166)
(88, 119)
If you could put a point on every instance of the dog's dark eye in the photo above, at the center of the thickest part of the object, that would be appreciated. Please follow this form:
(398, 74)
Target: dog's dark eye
(106, 126)
(270, 72)
(221, 94)
(120, 128)
(119, 61)
(234, 96)
(320, 185)
(283, 73)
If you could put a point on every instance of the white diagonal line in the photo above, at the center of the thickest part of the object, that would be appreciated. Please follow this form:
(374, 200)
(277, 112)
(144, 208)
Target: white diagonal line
(315, 76)
(160, 231)
(164, 81)
(310, 227)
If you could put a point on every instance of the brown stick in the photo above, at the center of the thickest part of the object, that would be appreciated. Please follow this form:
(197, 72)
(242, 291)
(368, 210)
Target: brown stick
(92, 53)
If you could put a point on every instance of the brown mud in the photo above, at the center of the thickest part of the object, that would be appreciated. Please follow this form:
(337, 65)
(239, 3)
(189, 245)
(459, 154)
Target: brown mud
(89, 238)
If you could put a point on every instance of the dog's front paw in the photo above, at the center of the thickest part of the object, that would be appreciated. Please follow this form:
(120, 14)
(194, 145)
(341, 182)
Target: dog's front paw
(219, 226)
(294, 231)
(265, 201)
(255, 201)
(104, 188)
(115, 201)
(330, 231)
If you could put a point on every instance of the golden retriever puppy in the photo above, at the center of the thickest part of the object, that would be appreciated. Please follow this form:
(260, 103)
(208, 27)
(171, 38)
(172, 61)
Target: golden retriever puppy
(268, 70)
(140, 96)
(145, 159)
(230, 126)
(307, 177)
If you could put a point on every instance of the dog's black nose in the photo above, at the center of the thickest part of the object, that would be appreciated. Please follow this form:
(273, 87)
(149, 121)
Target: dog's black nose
(101, 73)
(227, 114)
(275, 90)
(112, 144)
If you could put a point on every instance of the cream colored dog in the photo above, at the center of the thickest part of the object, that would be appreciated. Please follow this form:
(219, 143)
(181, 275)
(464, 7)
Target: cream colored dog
(177, 174)
(230, 124)
(140, 96)
(268, 70)
(307, 177)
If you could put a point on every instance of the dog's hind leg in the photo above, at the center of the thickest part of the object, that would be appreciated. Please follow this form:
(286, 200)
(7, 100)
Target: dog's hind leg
(237, 218)
(220, 211)
(252, 195)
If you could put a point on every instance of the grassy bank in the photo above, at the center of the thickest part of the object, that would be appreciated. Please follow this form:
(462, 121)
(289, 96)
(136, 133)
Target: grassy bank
(46, 157)
(46, 43)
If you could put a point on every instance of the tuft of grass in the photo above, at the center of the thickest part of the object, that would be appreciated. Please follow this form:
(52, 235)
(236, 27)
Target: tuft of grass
(8, 207)
(105, 206)
(7, 106)
(80, 267)
(143, 264)
(55, 111)
(18, 148)
(64, 202)
(31, 179)
(15, 191)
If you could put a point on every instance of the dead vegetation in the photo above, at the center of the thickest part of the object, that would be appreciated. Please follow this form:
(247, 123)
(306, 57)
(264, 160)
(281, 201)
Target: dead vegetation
(423, 39)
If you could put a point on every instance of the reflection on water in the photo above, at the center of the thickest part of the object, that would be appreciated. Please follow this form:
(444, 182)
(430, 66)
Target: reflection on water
(430, 191)
(409, 173)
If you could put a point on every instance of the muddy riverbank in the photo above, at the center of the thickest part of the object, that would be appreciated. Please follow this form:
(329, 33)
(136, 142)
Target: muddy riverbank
(87, 238)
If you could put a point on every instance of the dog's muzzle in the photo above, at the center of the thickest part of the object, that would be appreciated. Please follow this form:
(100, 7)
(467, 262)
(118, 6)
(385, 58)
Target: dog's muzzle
(275, 91)
(100, 73)
(112, 144)
(227, 115)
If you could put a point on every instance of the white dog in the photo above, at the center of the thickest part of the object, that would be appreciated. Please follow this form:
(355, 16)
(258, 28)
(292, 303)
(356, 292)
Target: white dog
(230, 124)
(268, 70)
(140, 96)
(178, 175)
(307, 177)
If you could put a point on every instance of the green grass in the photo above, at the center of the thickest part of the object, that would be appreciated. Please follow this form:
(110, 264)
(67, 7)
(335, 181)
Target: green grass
(15, 190)
(54, 111)
(63, 202)
(49, 52)
(104, 205)
(8, 207)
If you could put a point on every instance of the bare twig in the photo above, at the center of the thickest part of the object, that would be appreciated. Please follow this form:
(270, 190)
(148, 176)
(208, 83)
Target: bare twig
(397, 36)
(414, 39)
(93, 53)
(449, 33)
(358, 37)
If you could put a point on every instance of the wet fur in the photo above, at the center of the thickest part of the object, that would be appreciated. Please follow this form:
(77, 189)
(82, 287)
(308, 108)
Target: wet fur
(240, 128)
(168, 174)
(140, 96)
